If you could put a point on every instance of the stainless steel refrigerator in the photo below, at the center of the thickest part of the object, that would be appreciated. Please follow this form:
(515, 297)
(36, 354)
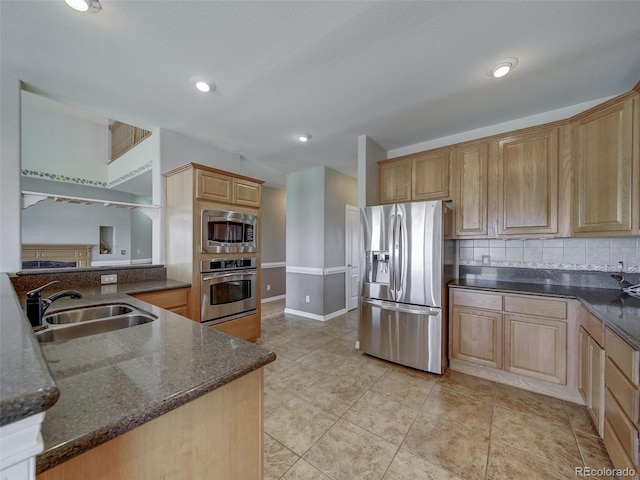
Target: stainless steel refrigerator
(402, 316)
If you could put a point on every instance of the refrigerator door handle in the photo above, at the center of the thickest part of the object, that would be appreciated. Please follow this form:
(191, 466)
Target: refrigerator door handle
(392, 254)
(414, 309)
(397, 251)
(401, 260)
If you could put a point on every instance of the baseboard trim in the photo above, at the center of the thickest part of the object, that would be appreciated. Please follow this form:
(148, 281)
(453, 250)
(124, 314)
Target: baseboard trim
(313, 316)
(273, 299)
(561, 392)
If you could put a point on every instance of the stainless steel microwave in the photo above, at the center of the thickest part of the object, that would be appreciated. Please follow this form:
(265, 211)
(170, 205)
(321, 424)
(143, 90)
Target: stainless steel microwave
(229, 232)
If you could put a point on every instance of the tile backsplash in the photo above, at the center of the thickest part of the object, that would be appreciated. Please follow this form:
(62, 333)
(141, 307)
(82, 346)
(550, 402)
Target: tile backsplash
(599, 254)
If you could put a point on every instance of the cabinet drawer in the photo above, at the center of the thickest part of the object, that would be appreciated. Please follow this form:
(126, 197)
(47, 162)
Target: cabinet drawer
(166, 298)
(626, 358)
(624, 392)
(536, 306)
(616, 451)
(466, 298)
(594, 326)
(622, 426)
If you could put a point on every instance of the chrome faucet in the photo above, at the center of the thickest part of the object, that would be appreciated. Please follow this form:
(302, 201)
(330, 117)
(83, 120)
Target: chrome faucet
(36, 305)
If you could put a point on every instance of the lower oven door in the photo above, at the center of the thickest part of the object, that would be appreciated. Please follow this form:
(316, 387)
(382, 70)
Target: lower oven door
(228, 295)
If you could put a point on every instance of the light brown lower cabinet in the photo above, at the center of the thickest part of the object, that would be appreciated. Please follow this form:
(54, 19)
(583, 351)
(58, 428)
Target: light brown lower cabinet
(218, 435)
(591, 377)
(519, 340)
(622, 404)
(477, 336)
(175, 300)
(536, 347)
(248, 328)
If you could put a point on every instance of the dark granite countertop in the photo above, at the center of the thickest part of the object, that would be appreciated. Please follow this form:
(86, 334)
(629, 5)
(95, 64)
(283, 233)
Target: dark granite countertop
(619, 311)
(111, 383)
(26, 384)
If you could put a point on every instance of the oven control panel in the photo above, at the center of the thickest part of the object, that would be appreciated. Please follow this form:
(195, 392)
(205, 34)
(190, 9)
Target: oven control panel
(225, 264)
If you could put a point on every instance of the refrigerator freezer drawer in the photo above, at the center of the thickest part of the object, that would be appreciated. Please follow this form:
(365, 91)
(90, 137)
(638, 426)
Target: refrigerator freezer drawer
(405, 334)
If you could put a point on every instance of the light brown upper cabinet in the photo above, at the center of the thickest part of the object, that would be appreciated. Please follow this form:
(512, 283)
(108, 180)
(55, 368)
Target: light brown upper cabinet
(605, 169)
(246, 192)
(528, 183)
(218, 187)
(423, 176)
(470, 164)
(430, 175)
(574, 177)
(214, 186)
(395, 181)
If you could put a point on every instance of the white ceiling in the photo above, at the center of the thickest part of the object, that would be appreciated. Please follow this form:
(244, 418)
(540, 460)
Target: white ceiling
(400, 72)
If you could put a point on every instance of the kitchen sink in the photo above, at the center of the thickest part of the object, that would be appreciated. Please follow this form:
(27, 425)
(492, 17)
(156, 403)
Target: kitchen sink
(82, 322)
(85, 314)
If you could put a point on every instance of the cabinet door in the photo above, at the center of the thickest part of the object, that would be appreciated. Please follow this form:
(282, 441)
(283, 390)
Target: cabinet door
(528, 183)
(430, 175)
(214, 186)
(246, 192)
(395, 181)
(596, 384)
(471, 189)
(536, 347)
(584, 377)
(477, 336)
(603, 173)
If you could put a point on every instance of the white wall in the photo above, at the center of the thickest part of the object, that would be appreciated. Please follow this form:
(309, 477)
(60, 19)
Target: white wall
(10, 198)
(369, 154)
(532, 120)
(177, 149)
(56, 140)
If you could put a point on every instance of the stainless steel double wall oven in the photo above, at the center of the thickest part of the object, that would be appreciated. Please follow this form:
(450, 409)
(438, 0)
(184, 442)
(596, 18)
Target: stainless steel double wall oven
(229, 288)
(228, 284)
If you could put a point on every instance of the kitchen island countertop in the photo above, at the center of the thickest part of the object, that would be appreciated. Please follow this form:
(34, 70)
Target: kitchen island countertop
(111, 383)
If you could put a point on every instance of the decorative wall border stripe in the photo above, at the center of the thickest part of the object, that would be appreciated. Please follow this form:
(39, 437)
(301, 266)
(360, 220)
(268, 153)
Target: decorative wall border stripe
(133, 173)
(62, 178)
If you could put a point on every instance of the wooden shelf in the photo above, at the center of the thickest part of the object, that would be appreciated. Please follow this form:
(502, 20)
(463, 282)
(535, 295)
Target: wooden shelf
(31, 198)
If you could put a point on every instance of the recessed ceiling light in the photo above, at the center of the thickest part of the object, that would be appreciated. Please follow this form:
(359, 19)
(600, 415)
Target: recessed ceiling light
(91, 6)
(203, 86)
(303, 137)
(503, 67)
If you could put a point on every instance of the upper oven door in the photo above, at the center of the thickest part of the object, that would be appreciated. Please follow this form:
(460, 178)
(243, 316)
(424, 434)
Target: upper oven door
(226, 295)
(228, 232)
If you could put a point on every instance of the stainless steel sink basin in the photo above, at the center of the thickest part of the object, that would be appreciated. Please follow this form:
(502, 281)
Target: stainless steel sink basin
(91, 320)
(87, 313)
(92, 328)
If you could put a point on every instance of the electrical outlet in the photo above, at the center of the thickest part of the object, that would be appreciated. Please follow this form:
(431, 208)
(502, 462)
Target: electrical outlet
(307, 299)
(268, 287)
(105, 279)
(486, 260)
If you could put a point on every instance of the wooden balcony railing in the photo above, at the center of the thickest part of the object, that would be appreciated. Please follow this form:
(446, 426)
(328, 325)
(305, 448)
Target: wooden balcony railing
(124, 137)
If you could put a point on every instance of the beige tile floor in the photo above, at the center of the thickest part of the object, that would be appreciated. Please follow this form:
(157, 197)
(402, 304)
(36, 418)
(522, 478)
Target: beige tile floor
(334, 413)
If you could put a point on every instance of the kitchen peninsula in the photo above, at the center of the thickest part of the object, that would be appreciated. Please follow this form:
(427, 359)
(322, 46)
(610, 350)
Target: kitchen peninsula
(167, 398)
